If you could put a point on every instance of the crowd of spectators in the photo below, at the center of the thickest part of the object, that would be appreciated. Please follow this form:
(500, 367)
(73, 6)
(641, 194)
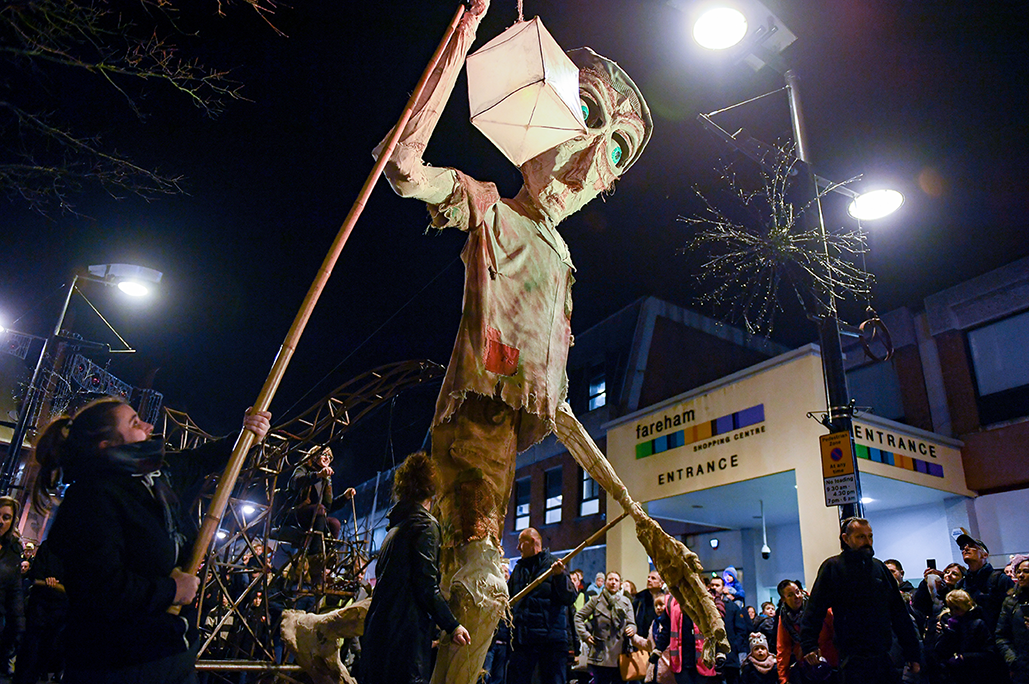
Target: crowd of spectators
(861, 622)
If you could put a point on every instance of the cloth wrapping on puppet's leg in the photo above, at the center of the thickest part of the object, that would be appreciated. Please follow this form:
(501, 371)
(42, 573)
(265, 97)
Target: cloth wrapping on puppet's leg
(474, 452)
(478, 597)
(680, 568)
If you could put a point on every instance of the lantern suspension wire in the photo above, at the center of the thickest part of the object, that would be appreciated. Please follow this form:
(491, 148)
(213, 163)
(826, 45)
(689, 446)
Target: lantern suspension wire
(740, 104)
(212, 519)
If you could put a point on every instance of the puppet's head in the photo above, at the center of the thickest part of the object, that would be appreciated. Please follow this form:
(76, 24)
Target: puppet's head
(564, 178)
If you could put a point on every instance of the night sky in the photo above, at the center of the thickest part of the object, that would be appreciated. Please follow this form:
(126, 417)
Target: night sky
(929, 98)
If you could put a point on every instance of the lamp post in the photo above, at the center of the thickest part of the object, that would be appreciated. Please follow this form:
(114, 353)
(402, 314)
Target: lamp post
(127, 278)
(720, 28)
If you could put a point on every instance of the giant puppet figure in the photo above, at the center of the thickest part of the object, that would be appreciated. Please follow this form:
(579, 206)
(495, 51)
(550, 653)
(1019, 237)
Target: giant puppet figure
(506, 385)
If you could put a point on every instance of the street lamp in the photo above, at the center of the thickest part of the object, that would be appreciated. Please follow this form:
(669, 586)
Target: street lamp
(875, 204)
(761, 37)
(127, 278)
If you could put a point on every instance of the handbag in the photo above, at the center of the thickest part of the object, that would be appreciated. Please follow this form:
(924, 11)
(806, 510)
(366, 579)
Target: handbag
(582, 658)
(632, 662)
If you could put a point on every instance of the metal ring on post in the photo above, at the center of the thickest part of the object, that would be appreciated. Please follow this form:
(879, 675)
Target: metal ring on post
(876, 328)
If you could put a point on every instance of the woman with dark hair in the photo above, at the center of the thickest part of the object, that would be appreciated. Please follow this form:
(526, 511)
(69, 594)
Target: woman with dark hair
(12, 597)
(790, 660)
(406, 604)
(1013, 626)
(121, 539)
(927, 604)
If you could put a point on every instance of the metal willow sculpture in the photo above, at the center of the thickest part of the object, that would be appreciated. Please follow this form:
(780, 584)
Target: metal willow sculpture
(260, 569)
(771, 246)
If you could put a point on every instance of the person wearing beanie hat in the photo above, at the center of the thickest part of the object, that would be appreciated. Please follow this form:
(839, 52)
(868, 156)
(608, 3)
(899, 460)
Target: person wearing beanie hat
(759, 666)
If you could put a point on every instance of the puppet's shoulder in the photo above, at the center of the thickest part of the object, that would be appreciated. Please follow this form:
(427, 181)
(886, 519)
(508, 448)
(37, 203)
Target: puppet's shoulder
(468, 206)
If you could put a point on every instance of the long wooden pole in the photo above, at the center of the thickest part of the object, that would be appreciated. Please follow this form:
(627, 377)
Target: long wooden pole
(246, 438)
(575, 552)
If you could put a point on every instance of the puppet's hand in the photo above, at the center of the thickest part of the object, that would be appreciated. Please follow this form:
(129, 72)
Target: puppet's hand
(477, 7)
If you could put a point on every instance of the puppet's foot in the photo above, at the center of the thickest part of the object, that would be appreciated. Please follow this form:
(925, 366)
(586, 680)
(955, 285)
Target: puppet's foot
(478, 597)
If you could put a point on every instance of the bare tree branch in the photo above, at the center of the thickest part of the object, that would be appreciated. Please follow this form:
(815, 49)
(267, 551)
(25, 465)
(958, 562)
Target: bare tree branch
(124, 47)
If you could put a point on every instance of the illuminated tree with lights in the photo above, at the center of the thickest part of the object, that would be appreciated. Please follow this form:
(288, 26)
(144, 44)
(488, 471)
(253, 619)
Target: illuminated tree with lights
(766, 246)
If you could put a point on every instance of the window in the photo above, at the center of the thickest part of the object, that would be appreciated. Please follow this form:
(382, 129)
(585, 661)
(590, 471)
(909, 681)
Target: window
(1001, 368)
(590, 504)
(598, 388)
(876, 385)
(521, 504)
(552, 484)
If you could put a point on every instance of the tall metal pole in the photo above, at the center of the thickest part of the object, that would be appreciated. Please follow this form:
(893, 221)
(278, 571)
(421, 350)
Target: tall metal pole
(28, 406)
(840, 413)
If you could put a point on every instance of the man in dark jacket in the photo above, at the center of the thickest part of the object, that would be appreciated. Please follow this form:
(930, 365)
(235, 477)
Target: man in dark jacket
(986, 586)
(736, 629)
(643, 603)
(540, 634)
(867, 610)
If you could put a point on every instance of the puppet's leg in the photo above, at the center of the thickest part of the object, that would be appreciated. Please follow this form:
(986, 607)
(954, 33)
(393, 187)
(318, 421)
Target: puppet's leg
(475, 454)
(680, 568)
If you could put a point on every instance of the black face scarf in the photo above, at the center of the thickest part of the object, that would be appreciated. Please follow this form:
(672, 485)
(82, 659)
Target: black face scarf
(864, 553)
(142, 460)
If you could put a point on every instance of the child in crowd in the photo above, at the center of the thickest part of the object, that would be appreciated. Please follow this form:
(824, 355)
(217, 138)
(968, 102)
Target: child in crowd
(759, 667)
(965, 646)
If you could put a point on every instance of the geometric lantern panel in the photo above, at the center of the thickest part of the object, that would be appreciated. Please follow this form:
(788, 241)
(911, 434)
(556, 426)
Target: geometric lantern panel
(523, 92)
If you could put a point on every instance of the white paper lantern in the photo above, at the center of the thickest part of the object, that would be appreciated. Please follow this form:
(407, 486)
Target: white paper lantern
(523, 92)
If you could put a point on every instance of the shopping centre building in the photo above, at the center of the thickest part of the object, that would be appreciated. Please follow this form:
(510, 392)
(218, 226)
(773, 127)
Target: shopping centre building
(717, 433)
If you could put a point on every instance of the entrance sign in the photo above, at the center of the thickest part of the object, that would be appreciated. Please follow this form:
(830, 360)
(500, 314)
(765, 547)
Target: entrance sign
(838, 473)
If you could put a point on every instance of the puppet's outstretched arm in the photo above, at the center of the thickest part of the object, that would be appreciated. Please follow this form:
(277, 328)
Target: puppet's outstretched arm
(680, 568)
(406, 171)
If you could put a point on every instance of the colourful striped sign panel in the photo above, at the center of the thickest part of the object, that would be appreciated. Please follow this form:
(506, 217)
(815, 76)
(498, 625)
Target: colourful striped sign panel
(701, 431)
(898, 460)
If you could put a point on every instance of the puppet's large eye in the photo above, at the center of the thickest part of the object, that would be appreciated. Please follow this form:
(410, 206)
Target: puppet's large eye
(620, 150)
(590, 111)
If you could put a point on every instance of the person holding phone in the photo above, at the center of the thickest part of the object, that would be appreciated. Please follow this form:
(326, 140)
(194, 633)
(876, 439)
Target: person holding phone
(928, 602)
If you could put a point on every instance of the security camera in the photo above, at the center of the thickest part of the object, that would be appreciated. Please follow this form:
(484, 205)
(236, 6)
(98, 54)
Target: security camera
(766, 552)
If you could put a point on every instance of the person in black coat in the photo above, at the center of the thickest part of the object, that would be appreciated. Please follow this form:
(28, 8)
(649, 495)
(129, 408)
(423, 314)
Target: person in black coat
(540, 634)
(736, 629)
(986, 586)
(12, 596)
(45, 614)
(406, 604)
(310, 493)
(1012, 633)
(867, 610)
(643, 603)
(927, 604)
(965, 646)
(767, 623)
(121, 537)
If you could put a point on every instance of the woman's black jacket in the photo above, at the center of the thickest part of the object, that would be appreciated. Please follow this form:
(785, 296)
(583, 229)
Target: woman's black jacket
(406, 604)
(112, 538)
